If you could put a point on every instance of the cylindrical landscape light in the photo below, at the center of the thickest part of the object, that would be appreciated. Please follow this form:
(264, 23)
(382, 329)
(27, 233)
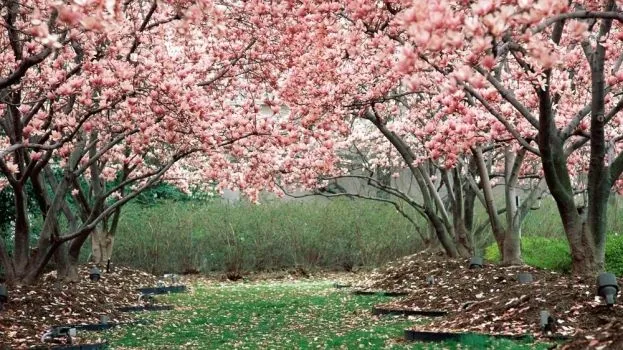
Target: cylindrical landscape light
(607, 287)
(547, 321)
(475, 262)
(430, 280)
(525, 277)
(95, 274)
(544, 319)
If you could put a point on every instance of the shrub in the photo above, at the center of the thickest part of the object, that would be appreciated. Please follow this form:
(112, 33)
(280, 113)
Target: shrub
(547, 253)
(211, 236)
(614, 254)
(554, 253)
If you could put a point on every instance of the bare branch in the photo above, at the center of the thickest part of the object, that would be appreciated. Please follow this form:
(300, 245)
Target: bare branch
(582, 14)
(332, 195)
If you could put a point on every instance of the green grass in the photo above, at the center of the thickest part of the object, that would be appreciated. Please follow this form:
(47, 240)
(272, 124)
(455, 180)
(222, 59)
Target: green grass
(294, 315)
(542, 252)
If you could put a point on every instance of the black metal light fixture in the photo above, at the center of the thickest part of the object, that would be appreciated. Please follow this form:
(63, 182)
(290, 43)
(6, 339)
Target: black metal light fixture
(104, 319)
(146, 298)
(547, 322)
(525, 277)
(476, 262)
(4, 296)
(430, 280)
(95, 274)
(173, 277)
(607, 287)
(66, 332)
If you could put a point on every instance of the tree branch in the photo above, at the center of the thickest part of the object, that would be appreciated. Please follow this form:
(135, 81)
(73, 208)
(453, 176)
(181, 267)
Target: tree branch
(21, 69)
(231, 64)
(583, 14)
(508, 96)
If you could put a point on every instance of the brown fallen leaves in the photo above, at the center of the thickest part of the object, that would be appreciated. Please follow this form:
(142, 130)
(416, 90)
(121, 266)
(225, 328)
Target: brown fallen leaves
(34, 309)
(491, 300)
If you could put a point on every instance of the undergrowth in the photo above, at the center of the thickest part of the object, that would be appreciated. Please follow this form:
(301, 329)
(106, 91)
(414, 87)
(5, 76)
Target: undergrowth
(209, 236)
(204, 236)
(554, 253)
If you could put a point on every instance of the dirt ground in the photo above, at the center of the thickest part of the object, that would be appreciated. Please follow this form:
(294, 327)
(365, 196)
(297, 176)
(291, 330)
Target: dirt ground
(32, 310)
(487, 300)
(491, 300)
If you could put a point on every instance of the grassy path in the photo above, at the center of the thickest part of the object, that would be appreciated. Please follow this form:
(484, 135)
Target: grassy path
(276, 315)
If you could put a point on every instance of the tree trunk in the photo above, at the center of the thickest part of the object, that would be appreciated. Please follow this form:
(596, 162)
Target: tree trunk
(464, 241)
(65, 270)
(470, 199)
(511, 250)
(444, 238)
(22, 245)
(594, 231)
(582, 251)
(496, 227)
(102, 243)
(463, 235)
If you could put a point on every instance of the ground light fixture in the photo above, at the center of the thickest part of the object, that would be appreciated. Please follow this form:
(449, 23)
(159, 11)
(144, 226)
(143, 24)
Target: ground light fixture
(4, 296)
(607, 287)
(173, 277)
(475, 262)
(525, 277)
(430, 280)
(146, 298)
(95, 274)
(59, 332)
(547, 322)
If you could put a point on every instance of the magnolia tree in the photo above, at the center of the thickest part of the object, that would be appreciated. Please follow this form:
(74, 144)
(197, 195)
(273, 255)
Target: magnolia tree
(545, 73)
(99, 101)
(461, 171)
(331, 43)
(404, 188)
(549, 72)
(353, 63)
(518, 174)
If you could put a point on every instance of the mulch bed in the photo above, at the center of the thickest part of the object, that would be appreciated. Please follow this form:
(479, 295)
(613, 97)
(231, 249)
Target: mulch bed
(32, 310)
(492, 301)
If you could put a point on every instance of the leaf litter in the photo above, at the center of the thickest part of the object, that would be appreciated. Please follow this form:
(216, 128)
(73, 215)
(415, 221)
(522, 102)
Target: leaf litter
(32, 310)
(491, 300)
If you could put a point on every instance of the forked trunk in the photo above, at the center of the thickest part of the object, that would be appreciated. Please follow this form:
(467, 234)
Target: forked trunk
(102, 244)
(583, 251)
(464, 243)
(65, 269)
(444, 238)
